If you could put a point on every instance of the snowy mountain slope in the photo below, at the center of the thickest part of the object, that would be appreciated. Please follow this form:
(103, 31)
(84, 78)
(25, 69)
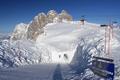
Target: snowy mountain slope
(60, 39)
(58, 44)
(63, 38)
(21, 53)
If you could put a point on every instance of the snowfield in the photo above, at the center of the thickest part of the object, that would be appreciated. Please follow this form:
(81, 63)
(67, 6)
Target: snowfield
(61, 43)
(63, 38)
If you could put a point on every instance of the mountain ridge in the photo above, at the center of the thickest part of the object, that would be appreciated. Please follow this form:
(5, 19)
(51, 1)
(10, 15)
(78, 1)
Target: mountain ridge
(33, 29)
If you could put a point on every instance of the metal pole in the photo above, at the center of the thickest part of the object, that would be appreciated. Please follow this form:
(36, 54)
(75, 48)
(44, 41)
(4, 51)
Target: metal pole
(109, 40)
(105, 40)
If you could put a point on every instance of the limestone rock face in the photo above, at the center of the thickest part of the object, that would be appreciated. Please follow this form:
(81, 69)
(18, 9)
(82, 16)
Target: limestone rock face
(36, 26)
(51, 15)
(64, 16)
(19, 32)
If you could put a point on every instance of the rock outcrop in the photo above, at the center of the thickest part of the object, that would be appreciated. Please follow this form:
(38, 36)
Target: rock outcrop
(51, 15)
(36, 27)
(65, 16)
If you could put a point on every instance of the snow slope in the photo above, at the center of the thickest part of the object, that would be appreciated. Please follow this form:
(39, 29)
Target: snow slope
(63, 38)
(58, 44)
(59, 41)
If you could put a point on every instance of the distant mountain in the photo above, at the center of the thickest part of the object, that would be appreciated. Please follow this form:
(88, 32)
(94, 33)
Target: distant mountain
(4, 36)
(36, 26)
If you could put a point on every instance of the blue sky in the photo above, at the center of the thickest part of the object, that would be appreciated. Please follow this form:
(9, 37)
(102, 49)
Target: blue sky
(13, 12)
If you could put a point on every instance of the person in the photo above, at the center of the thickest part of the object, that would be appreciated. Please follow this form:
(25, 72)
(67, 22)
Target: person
(65, 56)
(59, 56)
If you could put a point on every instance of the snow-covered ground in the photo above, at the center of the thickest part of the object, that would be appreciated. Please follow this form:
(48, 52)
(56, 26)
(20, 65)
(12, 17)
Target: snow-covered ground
(58, 44)
(29, 72)
(63, 38)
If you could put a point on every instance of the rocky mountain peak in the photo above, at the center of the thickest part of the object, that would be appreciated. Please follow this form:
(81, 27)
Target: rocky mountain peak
(64, 11)
(35, 27)
(64, 15)
(51, 15)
